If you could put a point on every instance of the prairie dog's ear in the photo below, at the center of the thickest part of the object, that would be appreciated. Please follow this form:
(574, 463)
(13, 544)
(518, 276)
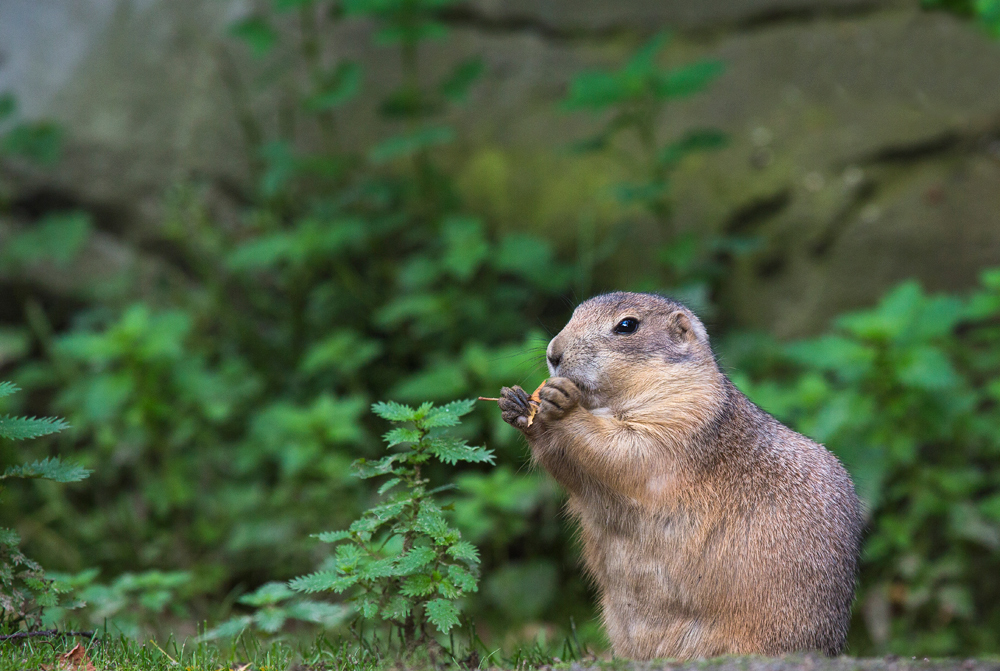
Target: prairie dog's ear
(681, 328)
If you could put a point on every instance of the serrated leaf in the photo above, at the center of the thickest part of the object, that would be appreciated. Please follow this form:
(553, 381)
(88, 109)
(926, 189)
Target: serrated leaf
(364, 469)
(51, 468)
(447, 415)
(368, 607)
(267, 594)
(414, 559)
(453, 450)
(323, 581)
(442, 613)
(400, 435)
(394, 412)
(417, 585)
(397, 608)
(462, 578)
(8, 388)
(270, 619)
(388, 484)
(431, 522)
(332, 536)
(23, 428)
(380, 568)
(464, 551)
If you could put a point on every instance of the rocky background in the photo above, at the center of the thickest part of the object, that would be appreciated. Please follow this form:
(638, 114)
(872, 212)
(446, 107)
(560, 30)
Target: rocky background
(865, 134)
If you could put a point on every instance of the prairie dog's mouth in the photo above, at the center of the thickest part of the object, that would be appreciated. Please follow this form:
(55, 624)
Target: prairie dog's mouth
(589, 394)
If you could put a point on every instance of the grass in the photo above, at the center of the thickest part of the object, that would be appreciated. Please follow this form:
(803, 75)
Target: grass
(249, 653)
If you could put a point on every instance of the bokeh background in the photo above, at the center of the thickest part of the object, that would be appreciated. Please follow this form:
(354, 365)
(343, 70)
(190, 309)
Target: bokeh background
(227, 227)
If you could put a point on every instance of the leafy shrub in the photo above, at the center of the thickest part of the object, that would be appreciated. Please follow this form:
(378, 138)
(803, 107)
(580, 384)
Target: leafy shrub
(405, 563)
(906, 394)
(24, 588)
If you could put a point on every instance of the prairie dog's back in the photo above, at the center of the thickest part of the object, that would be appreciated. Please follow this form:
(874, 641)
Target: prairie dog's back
(708, 526)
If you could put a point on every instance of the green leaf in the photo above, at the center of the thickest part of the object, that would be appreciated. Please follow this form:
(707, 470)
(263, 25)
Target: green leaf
(928, 368)
(40, 142)
(466, 246)
(406, 145)
(364, 469)
(394, 412)
(339, 87)
(268, 594)
(8, 388)
(58, 238)
(462, 578)
(50, 468)
(397, 608)
(323, 581)
(464, 551)
(457, 86)
(368, 607)
(643, 62)
(270, 619)
(333, 536)
(692, 141)
(401, 435)
(257, 33)
(344, 352)
(388, 484)
(453, 450)
(596, 90)
(447, 415)
(687, 80)
(416, 558)
(431, 522)
(442, 613)
(417, 585)
(8, 105)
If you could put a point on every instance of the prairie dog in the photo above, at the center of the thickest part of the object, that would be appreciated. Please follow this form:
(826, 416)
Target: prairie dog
(709, 527)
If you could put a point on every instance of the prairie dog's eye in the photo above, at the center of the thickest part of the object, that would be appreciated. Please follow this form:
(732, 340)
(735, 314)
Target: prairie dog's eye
(626, 326)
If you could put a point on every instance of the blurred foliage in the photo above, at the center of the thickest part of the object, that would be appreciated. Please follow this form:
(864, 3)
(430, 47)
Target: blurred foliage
(633, 99)
(24, 588)
(906, 394)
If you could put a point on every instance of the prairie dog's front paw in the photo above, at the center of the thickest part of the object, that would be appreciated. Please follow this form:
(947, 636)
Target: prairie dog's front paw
(516, 407)
(557, 397)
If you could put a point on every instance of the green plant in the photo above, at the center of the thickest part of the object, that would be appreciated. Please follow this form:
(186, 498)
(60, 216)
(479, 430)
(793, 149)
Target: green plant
(634, 98)
(403, 562)
(908, 396)
(24, 588)
(276, 604)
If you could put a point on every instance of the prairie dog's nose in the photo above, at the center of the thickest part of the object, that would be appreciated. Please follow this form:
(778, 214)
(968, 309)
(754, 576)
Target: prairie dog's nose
(554, 355)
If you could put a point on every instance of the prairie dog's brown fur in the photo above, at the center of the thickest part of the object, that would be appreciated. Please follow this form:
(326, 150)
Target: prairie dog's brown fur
(708, 527)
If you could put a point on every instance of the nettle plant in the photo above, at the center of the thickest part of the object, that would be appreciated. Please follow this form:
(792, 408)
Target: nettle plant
(402, 560)
(634, 99)
(24, 589)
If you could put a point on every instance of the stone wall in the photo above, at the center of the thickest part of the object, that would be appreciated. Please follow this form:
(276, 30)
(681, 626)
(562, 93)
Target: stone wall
(865, 133)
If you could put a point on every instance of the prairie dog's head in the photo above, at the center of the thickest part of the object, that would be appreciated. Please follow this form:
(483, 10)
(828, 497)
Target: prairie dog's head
(628, 346)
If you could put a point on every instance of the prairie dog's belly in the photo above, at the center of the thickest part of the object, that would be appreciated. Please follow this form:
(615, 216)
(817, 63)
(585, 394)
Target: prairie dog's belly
(660, 581)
